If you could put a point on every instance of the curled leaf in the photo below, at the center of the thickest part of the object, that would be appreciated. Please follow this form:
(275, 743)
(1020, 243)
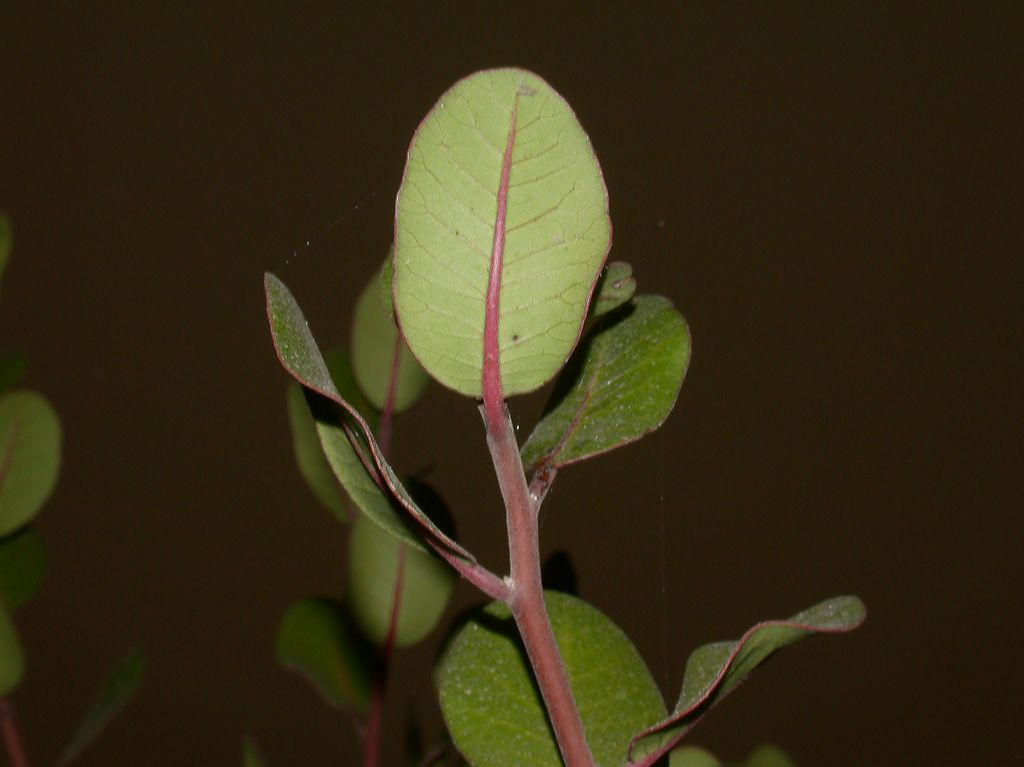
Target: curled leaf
(347, 439)
(309, 454)
(714, 670)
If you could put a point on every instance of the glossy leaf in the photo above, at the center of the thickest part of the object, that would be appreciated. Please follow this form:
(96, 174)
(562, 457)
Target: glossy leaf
(692, 756)
(427, 583)
(252, 755)
(318, 640)
(22, 567)
(6, 239)
(118, 689)
(714, 670)
(12, 368)
(633, 365)
(347, 439)
(309, 454)
(378, 354)
(29, 456)
(493, 710)
(499, 175)
(616, 286)
(12, 657)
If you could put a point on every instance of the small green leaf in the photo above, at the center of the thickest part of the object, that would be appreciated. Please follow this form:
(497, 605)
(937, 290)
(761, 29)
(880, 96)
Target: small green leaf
(616, 286)
(22, 567)
(500, 176)
(491, 704)
(714, 670)
(119, 687)
(252, 755)
(6, 240)
(309, 454)
(12, 657)
(29, 456)
(427, 583)
(375, 344)
(347, 439)
(318, 640)
(621, 385)
(692, 756)
(12, 368)
(768, 756)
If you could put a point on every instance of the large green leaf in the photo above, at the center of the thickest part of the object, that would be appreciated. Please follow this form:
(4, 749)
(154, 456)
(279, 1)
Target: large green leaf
(714, 670)
(6, 238)
(616, 286)
(120, 685)
(12, 657)
(373, 569)
(22, 567)
(502, 180)
(380, 358)
(309, 454)
(29, 456)
(621, 385)
(318, 640)
(494, 712)
(347, 439)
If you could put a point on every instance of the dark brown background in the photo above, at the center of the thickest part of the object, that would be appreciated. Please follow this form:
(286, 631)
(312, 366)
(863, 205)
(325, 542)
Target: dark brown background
(832, 197)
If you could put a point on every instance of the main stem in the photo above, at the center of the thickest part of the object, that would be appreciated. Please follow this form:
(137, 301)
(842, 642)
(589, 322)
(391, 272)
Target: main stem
(526, 598)
(10, 735)
(526, 593)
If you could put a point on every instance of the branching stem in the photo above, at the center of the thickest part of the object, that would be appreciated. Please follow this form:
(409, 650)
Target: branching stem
(526, 596)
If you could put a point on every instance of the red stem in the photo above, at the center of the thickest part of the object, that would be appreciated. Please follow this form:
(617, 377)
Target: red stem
(371, 745)
(10, 735)
(526, 599)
